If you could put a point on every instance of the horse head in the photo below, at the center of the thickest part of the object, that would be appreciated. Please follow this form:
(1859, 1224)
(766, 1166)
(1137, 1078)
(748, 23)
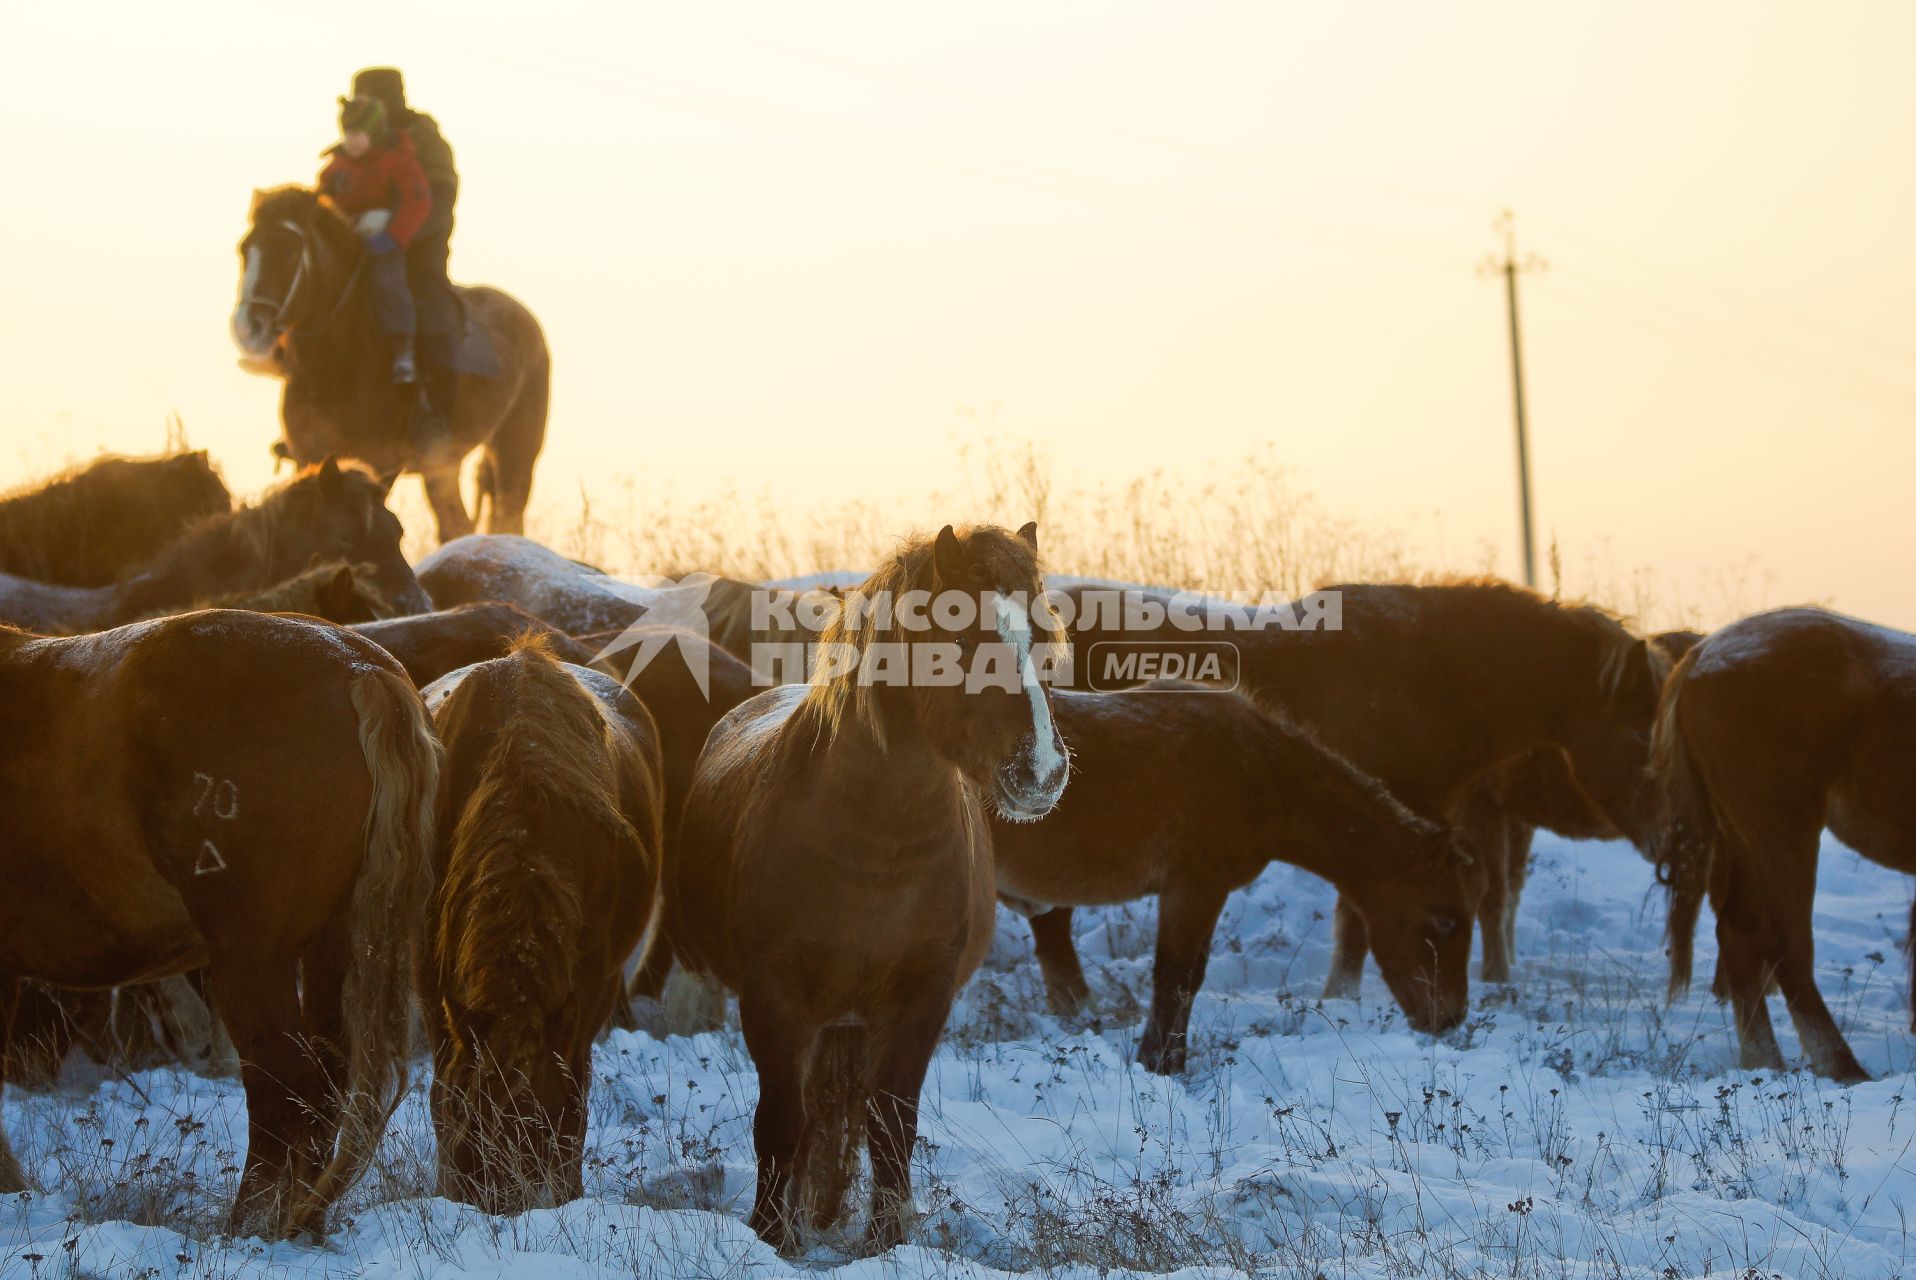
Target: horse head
(963, 617)
(334, 513)
(1419, 919)
(289, 261)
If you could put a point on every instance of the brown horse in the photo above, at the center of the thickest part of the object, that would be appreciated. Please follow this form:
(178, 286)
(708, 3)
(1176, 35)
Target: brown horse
(430, 645)
(1770, 730)
(1507, 807)
(548, 863)
(1189, 793)
(685, 709)
(1428, 688)
(99, 523)
(305, 306)
(834, 866)
(258, 803)
(326, 513)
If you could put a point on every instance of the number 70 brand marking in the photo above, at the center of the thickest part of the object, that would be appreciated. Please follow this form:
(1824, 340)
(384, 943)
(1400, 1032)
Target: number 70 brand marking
(217, 793)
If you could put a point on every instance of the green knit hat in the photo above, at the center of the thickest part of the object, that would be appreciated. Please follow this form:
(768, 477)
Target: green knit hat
(362, 115)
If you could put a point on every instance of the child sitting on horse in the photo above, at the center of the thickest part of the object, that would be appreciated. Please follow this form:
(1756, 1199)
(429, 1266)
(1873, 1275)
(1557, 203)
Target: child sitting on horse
(374, 178)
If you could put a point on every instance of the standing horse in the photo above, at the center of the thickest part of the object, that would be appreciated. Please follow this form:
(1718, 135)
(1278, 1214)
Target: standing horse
(303, 297)
(834, 864)
(1428, 688)
(257, 801)
(326, 513)
(99, 523)
(548, 864)
(1770, 730)
(1188, 793)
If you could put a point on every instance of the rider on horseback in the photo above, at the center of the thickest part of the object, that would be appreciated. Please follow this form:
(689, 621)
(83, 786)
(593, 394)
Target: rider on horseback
(374, 178)
(439, 318)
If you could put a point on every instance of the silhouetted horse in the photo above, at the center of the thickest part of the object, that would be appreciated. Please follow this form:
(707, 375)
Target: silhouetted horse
(1189, 793)
(834, 867)
(549, 850)
(326, 513)
(1770, 730)
(99, 523)
(304, 296)
(254, 798)
(1428, 688)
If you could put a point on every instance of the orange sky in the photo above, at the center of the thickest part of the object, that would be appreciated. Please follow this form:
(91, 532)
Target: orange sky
(779, 247)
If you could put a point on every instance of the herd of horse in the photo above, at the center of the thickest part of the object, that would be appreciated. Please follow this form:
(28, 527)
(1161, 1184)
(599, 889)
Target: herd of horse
(254, 754)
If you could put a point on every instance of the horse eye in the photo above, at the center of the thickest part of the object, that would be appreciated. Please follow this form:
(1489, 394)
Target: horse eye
(1444, 925)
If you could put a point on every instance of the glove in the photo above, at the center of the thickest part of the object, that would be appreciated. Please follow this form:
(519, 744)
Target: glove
(381, 244)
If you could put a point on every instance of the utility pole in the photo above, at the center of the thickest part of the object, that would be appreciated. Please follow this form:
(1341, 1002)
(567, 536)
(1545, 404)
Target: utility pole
(1509, 267)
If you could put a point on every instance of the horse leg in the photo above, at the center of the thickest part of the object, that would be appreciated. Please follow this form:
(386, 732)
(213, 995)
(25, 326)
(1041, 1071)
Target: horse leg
(1517, 874)
(900, 1058)
(448, 508)
(259, 999)
(654, 969)
(1186, 920)
(1493, 846)
(322, 985)
(1065, 989)
(780, 1045)
(1795, 973)
(514, 450)
(1350, 945)
(12, 1178)
(1744, 944)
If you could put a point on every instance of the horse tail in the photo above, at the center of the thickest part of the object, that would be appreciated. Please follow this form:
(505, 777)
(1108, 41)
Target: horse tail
(837, 1095)
(1684, 843)
(385, 921)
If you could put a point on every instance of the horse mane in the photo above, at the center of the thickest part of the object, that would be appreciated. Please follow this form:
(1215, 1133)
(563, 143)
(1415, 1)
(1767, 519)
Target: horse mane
(507, 924)
(1617, 645)
(836, 701)
(98, 521)
(303, 206)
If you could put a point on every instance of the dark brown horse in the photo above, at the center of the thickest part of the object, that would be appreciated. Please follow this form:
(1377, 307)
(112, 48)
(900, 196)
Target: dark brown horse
(549, 852)
(685, 703)
(99, 523)
(1772, 729)
(1429, 688)
(326, 513)
(430, 645)
(257, 802)
(1189, 793)
(304, 302)
(834, 866)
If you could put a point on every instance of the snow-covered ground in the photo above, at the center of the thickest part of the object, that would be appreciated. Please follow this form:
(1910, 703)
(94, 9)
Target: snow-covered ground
(1572, 1128)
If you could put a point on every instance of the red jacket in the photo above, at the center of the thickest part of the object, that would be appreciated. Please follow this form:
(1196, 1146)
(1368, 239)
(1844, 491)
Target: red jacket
(388, 176)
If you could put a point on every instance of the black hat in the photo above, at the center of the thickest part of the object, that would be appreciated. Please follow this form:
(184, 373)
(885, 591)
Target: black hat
(386, 84)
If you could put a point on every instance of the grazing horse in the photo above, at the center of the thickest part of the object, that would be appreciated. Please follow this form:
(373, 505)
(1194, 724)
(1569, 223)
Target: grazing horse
(1428, 688)
(1188, 793)
(1770, 730)
(304, 299)
(834, 864)
(256, 800)
(326, 513)
(548, 864)
(430, 645)
(99, 523)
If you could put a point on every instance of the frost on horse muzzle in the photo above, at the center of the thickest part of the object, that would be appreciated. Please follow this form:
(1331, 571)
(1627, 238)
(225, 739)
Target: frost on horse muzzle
(1030, 782)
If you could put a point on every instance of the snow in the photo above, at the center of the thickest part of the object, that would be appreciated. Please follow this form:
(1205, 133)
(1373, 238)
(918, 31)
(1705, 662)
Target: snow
(1573, 1127)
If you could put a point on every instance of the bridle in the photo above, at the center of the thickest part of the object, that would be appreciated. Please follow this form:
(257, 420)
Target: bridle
(284, 303)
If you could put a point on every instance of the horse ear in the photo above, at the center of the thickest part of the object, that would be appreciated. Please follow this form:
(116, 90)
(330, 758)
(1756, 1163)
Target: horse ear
(387, 481)
(948, 556)
(1029, 532)
(329, 472)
